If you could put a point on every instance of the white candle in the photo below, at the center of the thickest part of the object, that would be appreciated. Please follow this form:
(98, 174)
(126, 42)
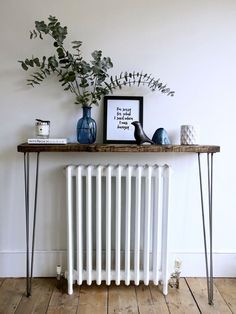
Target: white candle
(42, 128)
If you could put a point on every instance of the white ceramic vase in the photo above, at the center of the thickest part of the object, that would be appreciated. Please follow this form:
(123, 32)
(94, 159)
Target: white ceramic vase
(188, 135)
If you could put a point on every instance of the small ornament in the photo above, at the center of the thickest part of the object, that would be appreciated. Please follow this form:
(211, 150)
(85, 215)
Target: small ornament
(188, 135)
(42, 128)
(160, 137)
(139, 134)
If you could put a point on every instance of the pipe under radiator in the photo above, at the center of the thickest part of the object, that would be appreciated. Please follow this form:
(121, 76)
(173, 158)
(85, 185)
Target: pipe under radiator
(117, 224)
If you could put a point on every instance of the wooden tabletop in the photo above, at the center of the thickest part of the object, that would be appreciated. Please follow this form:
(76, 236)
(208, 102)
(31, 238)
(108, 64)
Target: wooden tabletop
(115, 148)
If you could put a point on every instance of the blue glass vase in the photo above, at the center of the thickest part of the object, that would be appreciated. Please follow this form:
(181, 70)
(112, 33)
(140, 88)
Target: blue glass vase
(86, 128)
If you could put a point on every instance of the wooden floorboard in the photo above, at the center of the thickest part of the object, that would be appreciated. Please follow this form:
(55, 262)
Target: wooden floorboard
(11, 293)
(1, 281)
(122, 299)
(227, 288)
(191, 298)
(180, 301)
(93, 299)
(38, 302)
(198, 287)
(61, 302)
(159, 300)
(150, 299)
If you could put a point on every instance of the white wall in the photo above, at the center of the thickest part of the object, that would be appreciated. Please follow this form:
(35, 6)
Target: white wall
(188, 44)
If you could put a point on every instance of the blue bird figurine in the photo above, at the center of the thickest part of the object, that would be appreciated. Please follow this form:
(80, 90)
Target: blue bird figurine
(160, 137)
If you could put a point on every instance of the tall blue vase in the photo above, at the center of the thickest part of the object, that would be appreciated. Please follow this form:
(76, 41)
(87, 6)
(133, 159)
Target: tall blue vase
(86, 128)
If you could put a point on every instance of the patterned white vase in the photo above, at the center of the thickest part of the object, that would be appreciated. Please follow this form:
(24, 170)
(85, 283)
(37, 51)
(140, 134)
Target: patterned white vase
(188, 135)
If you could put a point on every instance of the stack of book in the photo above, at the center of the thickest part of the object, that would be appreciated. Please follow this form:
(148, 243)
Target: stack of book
(47, 141)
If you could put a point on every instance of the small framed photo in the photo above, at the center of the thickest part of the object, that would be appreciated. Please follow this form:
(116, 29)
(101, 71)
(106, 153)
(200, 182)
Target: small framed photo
(119, 113)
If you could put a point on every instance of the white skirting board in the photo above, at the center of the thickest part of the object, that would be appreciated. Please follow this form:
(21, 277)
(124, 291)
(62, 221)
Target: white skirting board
(12, 264)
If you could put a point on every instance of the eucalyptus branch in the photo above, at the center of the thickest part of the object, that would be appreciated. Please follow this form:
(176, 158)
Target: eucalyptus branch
(139, 79)
(77, 86)
(95, 84)
(88, 81)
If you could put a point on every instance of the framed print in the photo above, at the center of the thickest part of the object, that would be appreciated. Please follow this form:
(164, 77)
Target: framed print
(119, 113)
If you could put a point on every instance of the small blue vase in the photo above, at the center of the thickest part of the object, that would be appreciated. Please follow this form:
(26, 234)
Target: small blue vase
(86, 128)
(160, 137)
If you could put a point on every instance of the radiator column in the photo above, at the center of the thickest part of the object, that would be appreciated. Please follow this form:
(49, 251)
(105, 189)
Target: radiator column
(137, 226)
(165, 213)
(108, 225)
(146, 250)
(79, 226)
(70, 249)
(99, 225)
(118, 223)
(127, 225)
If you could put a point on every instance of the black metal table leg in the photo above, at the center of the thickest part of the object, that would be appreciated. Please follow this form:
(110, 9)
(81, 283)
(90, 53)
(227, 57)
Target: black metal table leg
(208, 262)
(29, 265)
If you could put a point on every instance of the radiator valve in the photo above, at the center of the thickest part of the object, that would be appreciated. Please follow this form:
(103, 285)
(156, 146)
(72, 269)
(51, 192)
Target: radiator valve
(174, 278)
(60, 277)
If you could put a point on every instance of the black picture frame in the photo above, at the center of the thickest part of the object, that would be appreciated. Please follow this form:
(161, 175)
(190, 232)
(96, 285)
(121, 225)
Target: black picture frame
(119, 113)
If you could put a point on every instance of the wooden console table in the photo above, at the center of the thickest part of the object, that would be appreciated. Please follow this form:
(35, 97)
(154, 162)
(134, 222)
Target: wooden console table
(104, 148)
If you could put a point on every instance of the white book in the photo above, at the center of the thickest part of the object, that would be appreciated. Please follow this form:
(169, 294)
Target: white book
(47, 141)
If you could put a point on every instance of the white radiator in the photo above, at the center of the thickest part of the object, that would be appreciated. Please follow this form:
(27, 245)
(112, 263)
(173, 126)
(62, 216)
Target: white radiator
(118, 224)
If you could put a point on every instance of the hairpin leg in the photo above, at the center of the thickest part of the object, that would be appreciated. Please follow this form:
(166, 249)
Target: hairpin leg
(208, 262)
(29, 265)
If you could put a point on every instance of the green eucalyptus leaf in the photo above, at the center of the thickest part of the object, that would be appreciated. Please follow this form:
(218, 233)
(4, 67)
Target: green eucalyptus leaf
(37, 78)
(43, 73)
(71, 76)
(35, 82)
(151, 81)
(52, 61)
(60, 52)
(23, 65)
(63, 61)
(140, 79)
(36, 62)
(108, 86)
(27, 61)
(35, 33)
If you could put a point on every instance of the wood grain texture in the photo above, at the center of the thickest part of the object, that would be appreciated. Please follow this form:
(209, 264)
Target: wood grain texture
(159, 299)
(143, 294)
(149, 303)
(1, 281)
(112, 148)
(93, 299)
(38, 302)
(227, 288)
(46, 298)
(11, 293)
(61, 302)
(180, 301)
(198, 287)
(122, 299)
